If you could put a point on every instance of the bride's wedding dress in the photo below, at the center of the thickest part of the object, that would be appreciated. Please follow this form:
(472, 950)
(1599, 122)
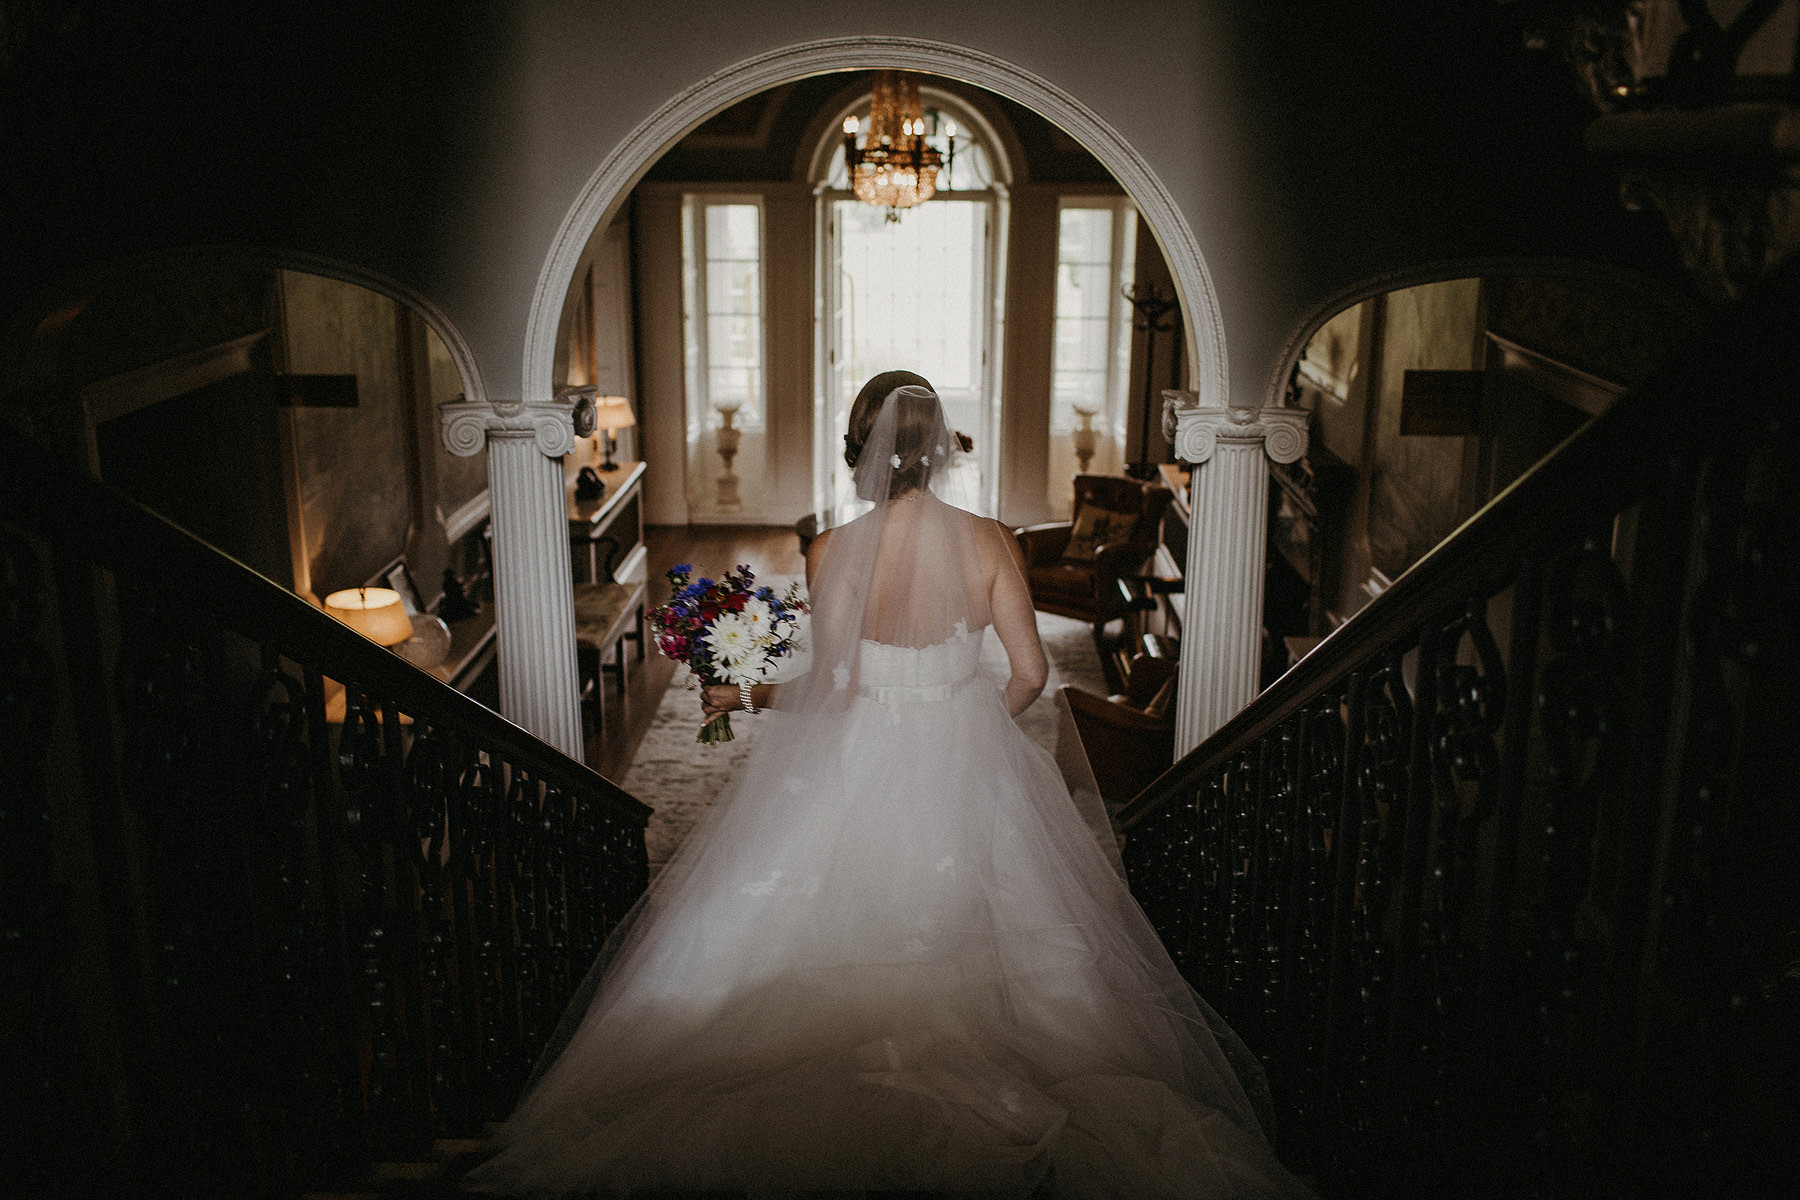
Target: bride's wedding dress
(893, 958)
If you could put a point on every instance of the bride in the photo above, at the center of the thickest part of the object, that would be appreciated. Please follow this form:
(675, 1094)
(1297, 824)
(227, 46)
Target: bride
(893, 956)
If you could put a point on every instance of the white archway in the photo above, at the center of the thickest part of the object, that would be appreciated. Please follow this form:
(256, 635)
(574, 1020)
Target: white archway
(622, 168)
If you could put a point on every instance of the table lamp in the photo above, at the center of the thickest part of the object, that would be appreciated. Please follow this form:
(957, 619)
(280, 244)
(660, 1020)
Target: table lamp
(374, 612)
(611, 413)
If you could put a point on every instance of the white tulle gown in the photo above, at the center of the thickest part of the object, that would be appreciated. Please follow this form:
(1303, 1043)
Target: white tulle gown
(893, 958)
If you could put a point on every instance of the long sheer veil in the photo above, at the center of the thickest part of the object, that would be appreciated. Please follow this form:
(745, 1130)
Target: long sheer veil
(908, 572)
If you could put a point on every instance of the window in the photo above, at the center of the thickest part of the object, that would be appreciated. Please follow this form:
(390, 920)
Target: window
(722, 296)
(1096, 255)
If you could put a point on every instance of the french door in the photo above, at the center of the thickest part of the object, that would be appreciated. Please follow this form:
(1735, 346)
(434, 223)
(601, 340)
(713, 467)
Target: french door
(919, 293)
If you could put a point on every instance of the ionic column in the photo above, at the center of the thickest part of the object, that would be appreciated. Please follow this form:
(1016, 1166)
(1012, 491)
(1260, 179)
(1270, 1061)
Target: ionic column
(534, 607)
(1228, 497)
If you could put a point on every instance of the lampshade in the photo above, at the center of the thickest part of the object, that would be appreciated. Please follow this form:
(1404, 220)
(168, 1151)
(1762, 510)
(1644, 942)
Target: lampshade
(613, 412)
(376, 613)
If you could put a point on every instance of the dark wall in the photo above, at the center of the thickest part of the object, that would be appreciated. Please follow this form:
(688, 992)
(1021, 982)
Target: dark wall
(127, 125)
(1421, 131)
(208, 460)
(1346, 141)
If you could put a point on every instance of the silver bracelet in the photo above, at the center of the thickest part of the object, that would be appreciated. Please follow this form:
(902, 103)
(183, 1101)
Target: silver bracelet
(744, 697)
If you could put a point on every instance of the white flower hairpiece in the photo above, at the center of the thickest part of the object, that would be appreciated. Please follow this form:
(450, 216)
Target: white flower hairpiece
(894, 462)
(925, 460)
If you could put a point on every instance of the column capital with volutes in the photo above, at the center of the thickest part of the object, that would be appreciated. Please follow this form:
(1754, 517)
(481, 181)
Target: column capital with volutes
(1196, 430)
(468, 424)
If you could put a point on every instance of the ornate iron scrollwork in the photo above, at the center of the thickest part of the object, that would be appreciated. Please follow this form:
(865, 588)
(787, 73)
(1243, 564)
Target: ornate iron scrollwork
(364, 776)
(309, 1071)
(431, 777)
(1381, 712)
(198, 910)
(1730, 947)
(1579, 702)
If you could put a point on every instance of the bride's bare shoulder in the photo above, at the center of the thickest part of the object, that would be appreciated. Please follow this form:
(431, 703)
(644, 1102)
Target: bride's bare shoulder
(998, 543)
(1000, 534)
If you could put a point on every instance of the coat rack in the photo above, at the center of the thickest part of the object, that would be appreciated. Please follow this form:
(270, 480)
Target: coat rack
(1152, 304)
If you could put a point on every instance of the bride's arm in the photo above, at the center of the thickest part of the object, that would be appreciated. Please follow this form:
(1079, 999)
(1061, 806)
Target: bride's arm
(724, 697)
(1015, 623)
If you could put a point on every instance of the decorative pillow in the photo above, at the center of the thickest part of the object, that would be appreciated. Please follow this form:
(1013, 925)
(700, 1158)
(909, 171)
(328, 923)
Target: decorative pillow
(1095, 527)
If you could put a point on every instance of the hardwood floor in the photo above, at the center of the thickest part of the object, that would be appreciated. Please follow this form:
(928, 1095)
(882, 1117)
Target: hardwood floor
(769, 549)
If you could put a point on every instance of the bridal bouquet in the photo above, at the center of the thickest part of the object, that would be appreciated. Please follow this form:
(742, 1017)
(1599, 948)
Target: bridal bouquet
(726, 630)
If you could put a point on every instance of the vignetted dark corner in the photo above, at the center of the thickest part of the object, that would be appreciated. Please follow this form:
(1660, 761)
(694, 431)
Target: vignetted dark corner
(363, 367)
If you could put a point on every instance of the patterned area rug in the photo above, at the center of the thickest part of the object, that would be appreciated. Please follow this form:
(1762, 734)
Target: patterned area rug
(678, 778)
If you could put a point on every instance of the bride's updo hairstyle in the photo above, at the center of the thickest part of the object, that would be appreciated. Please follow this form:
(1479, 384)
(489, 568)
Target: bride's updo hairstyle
(867, 406)
(919, 432)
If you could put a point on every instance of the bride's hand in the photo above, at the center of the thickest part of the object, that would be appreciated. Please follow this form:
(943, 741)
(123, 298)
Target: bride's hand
(719, 698)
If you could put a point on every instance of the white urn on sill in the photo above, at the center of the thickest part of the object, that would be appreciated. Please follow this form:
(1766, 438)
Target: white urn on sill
(726, 442)
(1084, 437)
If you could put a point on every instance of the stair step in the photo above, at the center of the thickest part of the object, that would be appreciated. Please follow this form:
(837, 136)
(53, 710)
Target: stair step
(426, 1179)
(436, 1178)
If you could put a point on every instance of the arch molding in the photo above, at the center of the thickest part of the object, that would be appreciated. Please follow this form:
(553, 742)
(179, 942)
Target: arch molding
(626, 164)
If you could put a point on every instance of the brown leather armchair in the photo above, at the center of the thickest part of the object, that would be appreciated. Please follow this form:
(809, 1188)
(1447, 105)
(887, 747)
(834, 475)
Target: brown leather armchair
(1128, 738)
(1088, 589)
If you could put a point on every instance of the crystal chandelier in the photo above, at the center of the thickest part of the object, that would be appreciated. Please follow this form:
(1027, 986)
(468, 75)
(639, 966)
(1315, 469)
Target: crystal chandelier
(894, 168)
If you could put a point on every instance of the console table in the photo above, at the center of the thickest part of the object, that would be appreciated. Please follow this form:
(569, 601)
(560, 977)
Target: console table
(606, 542)
(606, 536)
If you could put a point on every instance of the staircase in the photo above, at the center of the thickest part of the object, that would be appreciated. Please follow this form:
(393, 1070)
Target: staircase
(1502, 881)
(279, 912)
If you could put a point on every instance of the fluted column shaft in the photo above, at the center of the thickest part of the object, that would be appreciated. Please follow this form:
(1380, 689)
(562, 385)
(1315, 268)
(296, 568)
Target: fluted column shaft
(534, 606)
(1228, 497)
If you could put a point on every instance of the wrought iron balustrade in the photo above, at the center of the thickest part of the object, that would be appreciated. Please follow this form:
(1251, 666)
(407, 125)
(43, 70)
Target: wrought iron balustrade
(248, 948)
(1502, 881)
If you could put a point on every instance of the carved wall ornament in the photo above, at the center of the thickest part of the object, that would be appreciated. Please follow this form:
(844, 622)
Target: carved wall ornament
(469, 424)
(1199, 428)
(1731, 226)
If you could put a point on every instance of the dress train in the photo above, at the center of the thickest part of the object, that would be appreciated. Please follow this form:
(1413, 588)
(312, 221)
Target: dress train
(903, 966)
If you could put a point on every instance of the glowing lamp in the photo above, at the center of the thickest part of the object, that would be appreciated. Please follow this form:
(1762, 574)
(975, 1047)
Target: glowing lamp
(611, 413)
(376, 613)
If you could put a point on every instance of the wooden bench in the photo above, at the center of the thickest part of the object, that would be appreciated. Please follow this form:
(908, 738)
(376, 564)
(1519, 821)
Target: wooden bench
(605, 615)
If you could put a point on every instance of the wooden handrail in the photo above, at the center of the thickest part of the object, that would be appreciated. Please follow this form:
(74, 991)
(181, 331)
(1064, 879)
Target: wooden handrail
(1608, 462)
(118, 532)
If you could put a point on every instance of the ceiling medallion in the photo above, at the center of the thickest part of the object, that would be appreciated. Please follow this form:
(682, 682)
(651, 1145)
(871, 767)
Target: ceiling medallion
(894, 168)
